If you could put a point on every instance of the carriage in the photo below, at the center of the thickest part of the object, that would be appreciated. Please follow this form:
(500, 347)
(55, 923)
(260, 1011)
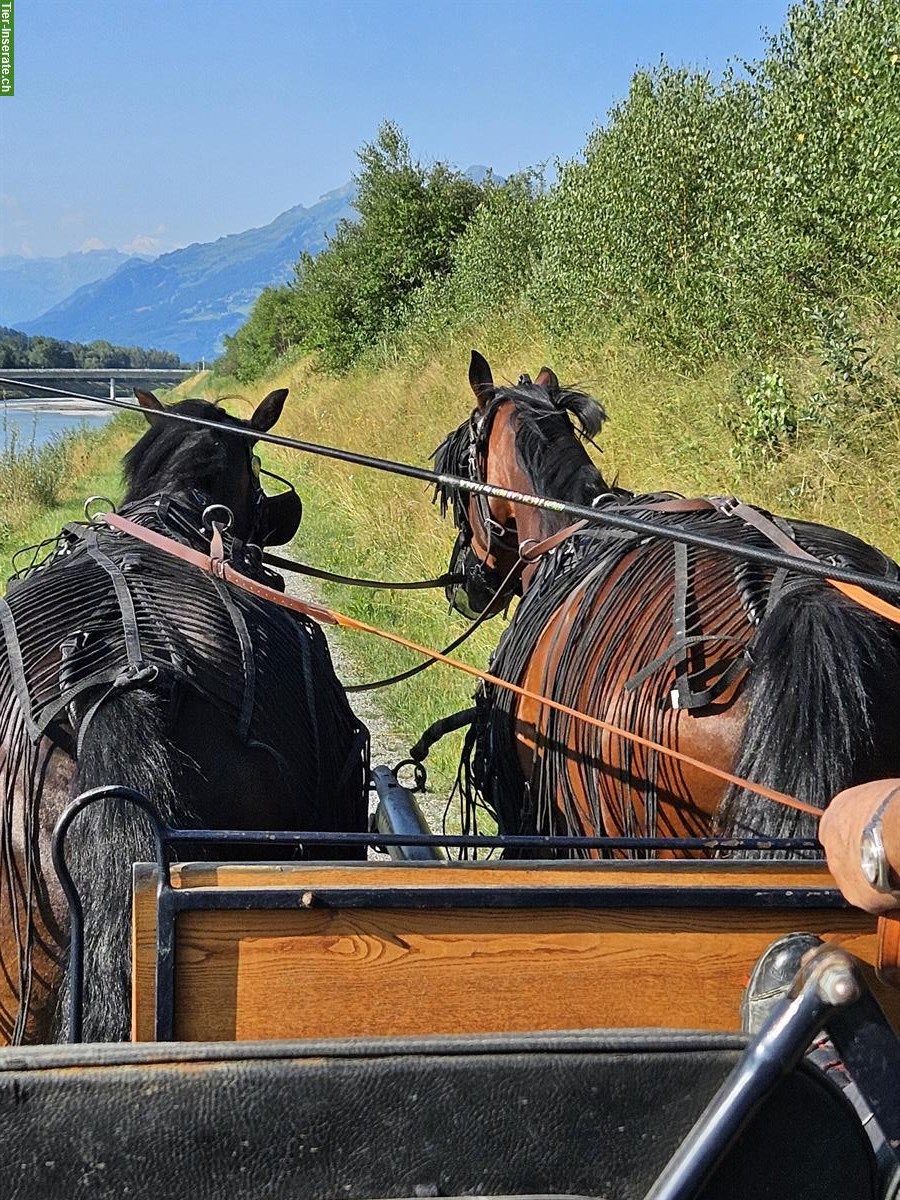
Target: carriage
(563, 1020)
(385, 1028)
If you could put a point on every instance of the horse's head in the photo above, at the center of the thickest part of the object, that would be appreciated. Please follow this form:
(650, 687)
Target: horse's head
(521, 438)
(213, 465)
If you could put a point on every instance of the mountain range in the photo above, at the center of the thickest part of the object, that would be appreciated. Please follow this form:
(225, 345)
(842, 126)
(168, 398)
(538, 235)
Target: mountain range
(189, 299)
(29, 286)
(185, 301)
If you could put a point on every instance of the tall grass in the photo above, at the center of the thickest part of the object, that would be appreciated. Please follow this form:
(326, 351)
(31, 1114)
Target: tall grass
(31, 475)
(44, 486)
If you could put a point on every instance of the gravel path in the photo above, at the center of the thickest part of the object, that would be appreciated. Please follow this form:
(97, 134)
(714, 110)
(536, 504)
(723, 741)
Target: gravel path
(388, 745)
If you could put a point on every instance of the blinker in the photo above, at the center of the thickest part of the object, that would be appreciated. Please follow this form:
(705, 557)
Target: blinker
(279, 516)
(481, 584)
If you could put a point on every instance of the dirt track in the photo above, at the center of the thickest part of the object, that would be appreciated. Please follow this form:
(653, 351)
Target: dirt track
(388, 745)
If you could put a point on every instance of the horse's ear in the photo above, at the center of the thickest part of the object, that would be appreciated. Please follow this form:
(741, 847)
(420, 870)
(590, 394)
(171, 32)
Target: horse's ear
(149, 404)
(547, 380)
(481, 380)
(269, 410)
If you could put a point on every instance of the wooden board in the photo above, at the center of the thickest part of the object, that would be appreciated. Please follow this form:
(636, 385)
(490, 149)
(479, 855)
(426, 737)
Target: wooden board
(324, 972)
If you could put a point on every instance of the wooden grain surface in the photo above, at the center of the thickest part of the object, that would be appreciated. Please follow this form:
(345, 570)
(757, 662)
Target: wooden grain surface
(327, 972)
(492, 874)
(888, 962)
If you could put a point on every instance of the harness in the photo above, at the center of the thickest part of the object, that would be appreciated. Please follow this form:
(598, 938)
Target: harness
(479, 439)
(105, 612)
(606, 592)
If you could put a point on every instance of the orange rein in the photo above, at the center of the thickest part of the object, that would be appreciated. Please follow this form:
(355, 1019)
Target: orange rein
(216, 565)
(866, 599)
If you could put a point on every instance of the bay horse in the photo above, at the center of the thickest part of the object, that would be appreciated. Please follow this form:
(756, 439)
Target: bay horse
(121, 664)
(771, 675)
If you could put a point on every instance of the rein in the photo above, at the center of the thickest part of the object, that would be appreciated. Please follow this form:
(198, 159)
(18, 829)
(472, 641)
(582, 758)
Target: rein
(298, 568)
(215, 564)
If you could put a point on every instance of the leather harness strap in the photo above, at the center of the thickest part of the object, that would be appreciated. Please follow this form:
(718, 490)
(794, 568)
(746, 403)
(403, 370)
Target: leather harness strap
(683, 696)
(530, 551)
(732, 507)
(768, 528)
(288, 564)
(328, 617)
(219, 567)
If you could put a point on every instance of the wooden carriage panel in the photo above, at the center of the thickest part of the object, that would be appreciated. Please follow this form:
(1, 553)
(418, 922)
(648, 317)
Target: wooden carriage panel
(312, 970)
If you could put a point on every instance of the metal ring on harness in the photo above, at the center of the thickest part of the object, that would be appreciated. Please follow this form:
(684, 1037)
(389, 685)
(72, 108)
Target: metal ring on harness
(110, 507)
(208, 522)
(420, 775)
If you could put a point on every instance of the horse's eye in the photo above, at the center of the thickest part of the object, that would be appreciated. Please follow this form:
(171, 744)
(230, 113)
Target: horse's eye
(255, 465)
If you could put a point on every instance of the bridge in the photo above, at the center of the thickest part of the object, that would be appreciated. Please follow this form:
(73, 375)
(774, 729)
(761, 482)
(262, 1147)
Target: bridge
(99, 381)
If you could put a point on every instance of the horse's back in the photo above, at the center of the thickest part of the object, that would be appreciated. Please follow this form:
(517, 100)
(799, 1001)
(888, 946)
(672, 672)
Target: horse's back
(658, 639)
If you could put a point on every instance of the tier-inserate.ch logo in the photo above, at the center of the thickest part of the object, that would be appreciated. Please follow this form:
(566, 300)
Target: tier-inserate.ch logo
(7, 58)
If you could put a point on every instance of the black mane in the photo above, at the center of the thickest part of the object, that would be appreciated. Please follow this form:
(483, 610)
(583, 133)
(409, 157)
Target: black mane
(452, 458)
(548, 445)
(173, 455)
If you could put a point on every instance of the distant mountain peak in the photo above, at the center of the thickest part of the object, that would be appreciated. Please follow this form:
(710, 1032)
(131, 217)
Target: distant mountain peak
(188, 299)
(342, 193)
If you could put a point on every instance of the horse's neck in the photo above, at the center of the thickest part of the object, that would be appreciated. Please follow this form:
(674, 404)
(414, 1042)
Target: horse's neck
(535, 524)
(539, 523)
(178, 514)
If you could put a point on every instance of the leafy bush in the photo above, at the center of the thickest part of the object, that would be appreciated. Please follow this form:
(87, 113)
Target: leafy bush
(644, 231)
(706, 217)
(763, 422)
(492, 263)
(829, 93)
(271, 330)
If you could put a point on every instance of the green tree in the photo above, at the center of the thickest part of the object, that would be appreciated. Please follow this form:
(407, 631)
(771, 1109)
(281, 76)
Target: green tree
(410, 217)
(271, 330)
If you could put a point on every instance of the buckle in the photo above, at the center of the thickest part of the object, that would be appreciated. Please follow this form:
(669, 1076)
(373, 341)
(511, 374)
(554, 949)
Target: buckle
(727, 505)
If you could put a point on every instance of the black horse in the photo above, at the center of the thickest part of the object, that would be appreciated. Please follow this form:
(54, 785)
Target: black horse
(121, 664)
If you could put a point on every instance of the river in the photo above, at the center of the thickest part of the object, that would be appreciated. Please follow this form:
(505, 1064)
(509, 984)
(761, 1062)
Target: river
(27, 425)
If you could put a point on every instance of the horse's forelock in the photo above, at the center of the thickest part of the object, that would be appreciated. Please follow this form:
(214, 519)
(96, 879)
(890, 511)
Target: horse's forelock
(589, 412)
(536, 405)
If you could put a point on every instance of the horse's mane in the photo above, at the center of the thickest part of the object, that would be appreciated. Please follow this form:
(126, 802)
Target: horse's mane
(452, 458)
(548, 444)
(171, 452)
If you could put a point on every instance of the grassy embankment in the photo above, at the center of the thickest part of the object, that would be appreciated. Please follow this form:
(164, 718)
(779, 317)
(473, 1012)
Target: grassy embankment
(42, 488)
(666, 431)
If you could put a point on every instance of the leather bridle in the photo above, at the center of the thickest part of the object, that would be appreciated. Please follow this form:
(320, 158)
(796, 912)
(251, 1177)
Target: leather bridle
(496, 535)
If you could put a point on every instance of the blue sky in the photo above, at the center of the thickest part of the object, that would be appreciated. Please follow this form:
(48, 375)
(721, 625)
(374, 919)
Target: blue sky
(149, 124)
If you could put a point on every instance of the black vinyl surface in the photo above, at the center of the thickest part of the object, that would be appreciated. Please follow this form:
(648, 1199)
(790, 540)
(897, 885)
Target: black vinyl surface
(595, 1114)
